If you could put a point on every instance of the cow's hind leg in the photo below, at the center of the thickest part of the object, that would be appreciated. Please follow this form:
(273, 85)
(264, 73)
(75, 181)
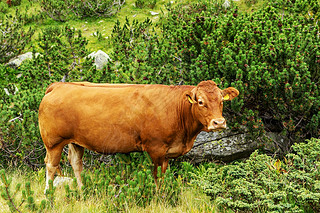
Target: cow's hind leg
(75, 155)
(52, 160)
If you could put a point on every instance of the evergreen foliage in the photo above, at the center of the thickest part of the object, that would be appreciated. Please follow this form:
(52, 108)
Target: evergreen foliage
(3, 7)
(13, 37)
(146, 3)
(263, 184)
(63, 10)
(95, 8)
(125, 183)
(65, 45)
(55, 9)
(27, 196)
(22, 88)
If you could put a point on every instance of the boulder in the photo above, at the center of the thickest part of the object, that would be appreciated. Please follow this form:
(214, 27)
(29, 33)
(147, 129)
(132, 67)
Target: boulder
(100, 59)
(15, 62)
(61, 181)
(227, 146)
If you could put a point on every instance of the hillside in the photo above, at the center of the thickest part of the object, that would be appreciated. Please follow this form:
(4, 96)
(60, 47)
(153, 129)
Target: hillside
(98, 29)
(269, 52)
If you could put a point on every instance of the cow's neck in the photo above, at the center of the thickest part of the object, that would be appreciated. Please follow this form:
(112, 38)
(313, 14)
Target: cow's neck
(189, 123)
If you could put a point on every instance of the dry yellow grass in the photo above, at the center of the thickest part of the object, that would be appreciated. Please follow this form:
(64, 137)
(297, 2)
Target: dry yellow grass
(192, 199)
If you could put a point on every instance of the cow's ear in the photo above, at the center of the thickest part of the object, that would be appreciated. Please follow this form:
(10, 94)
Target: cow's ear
(229, 93)
(192, 96)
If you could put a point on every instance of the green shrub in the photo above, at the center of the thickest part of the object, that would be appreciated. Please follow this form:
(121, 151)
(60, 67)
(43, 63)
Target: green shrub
(27, 17)
(14, 2)
(55, 9)
(262, 184)
(63, 10)
(272, 58)
(145, 3)
(64, 45)
(306, 7)
(21, 91)
(141, 56)
(125, 182)
(27, 195)
(250, 2)
(13, 37)
(95, 8)
(3, 7)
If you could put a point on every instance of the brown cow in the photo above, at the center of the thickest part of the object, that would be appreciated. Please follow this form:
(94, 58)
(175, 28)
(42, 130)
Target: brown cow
(161, 120)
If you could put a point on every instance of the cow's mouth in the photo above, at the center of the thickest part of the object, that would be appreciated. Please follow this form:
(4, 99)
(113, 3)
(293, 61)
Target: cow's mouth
(217, 125)
(216, 129)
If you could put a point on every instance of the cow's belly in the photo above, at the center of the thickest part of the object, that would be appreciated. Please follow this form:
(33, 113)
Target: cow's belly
(108, 140)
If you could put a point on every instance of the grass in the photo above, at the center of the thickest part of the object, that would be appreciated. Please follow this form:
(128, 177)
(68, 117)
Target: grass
(192, 199)
(249, 7)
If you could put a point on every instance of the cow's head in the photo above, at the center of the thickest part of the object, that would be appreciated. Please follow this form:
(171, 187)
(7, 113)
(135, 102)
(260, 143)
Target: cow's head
(207, 104)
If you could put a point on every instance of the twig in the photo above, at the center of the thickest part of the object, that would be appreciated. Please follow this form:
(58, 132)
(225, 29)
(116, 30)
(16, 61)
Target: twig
(11, 201)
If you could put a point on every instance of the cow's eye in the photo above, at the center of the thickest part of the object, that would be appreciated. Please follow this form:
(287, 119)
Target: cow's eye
(200, 102)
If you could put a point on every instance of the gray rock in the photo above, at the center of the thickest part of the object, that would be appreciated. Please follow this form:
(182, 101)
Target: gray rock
(226, 146)
(226, 4)
(59, 181)
(100, 58)
(154, 13)
(17, 61)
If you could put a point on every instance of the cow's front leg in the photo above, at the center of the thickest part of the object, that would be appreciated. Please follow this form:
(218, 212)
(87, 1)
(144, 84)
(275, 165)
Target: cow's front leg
(163, 162)
(158, 156)
(164, 165)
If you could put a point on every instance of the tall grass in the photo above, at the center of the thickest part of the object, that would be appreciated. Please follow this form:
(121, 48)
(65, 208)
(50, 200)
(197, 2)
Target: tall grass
(191, 199)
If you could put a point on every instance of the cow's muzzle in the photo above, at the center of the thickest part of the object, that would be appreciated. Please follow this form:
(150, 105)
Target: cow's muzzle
(217, 124)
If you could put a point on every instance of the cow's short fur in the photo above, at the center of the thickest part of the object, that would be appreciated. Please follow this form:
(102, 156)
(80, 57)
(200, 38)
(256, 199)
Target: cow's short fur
(121, 118)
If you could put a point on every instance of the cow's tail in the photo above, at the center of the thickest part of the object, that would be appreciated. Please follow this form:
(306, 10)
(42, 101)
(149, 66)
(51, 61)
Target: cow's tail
(51, 87)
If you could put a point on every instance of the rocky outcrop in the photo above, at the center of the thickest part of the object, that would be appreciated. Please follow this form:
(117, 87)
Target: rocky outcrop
(227, 146)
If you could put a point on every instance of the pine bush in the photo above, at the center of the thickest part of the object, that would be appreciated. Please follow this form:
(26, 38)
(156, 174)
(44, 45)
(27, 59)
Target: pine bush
(263, 184)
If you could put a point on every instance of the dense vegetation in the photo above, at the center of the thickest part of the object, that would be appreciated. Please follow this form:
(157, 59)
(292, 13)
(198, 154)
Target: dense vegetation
(264, 184)
(259, 184)
(272, 55)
